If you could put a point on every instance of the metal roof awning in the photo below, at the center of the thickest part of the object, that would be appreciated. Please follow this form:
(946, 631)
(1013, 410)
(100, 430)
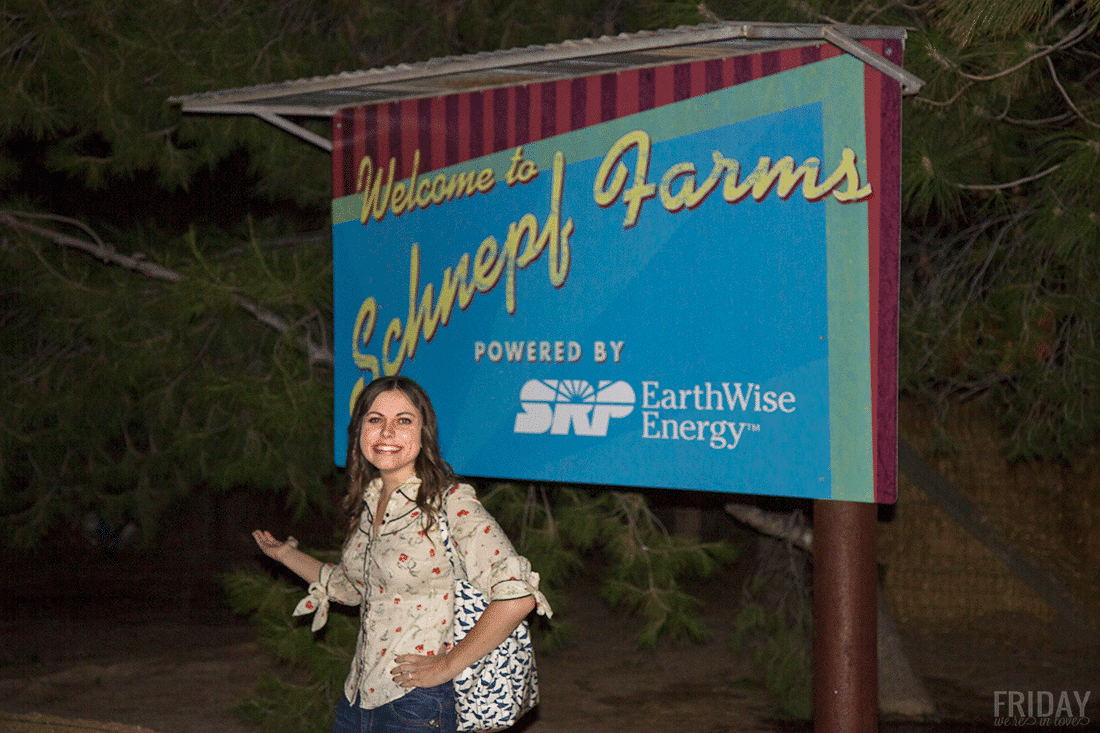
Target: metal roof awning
(325, 96)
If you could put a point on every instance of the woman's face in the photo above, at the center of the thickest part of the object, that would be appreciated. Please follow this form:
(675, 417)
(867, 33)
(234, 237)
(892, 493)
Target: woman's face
(390, 436)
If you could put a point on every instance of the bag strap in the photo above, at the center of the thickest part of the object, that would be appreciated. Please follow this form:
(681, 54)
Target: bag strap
(457, 566)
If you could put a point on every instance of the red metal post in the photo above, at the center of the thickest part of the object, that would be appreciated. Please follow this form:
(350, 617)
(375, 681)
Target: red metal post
(845, 617)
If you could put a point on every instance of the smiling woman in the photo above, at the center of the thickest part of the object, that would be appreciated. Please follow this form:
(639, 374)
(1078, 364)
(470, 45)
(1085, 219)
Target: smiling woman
(390, 439)
(394, 566)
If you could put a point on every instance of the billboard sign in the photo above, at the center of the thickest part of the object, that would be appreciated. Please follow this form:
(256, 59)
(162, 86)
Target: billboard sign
(680, 277)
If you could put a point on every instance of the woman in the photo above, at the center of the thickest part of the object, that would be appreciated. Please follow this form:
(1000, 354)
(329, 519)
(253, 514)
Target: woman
(394, 565)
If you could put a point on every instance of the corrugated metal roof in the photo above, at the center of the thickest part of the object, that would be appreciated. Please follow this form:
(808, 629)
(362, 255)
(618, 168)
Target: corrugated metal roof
(325, 96)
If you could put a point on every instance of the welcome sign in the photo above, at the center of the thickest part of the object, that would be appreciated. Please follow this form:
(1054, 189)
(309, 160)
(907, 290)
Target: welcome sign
(680, 277)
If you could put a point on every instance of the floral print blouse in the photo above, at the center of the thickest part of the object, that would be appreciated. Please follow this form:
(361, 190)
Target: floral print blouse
(409, 582)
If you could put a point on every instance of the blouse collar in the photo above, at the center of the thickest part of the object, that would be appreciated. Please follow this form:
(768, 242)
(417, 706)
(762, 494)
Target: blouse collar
(409, 488)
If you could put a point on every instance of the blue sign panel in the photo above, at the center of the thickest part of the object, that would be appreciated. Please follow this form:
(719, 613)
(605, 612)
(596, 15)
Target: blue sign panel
(676, 297)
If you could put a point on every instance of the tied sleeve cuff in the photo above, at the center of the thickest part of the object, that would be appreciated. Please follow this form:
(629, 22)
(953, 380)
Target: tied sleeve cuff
(513, 588)
(316, 603)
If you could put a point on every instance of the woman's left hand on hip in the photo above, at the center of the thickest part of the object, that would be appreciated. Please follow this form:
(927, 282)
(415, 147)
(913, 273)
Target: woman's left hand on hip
(414, 670)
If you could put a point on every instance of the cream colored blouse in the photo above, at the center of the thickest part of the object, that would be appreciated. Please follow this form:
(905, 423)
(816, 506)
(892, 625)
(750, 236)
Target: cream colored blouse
(410, 583)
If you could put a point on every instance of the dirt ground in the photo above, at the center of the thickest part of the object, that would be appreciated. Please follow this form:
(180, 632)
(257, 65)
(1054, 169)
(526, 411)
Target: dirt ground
(101, 646)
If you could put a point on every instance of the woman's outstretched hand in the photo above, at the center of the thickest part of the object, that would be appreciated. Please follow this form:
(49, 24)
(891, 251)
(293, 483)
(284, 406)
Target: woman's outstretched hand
(273, 548)
(304, 566)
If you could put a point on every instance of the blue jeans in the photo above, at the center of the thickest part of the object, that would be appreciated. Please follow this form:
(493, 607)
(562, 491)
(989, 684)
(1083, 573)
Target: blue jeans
(424, 709)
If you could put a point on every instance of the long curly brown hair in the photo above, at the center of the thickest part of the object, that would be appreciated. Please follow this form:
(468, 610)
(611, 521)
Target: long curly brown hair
(435, 474)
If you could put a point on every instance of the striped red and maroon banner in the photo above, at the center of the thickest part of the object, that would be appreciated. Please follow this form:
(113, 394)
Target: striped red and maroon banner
(456, 128)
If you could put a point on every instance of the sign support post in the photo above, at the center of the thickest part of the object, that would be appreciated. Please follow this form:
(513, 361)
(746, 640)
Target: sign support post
(845, 648)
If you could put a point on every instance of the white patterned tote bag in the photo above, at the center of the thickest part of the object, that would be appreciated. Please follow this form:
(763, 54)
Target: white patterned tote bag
(497, 690)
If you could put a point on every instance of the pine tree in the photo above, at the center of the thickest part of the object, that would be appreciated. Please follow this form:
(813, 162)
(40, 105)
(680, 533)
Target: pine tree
(1000, 148)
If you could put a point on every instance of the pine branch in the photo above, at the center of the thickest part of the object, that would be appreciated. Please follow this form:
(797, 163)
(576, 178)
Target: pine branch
(101, 251)
(1075, 36)
(317, 354)
(1065, 95)
(947, 102)
(787, 527)
(1010, 184)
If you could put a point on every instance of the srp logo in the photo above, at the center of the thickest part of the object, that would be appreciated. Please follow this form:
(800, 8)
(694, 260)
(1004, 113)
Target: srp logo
(554, 405)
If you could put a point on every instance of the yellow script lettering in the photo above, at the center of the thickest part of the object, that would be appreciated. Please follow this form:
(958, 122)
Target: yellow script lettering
(606, 192)
(679, 188)
(481, 273)
(382, 194)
